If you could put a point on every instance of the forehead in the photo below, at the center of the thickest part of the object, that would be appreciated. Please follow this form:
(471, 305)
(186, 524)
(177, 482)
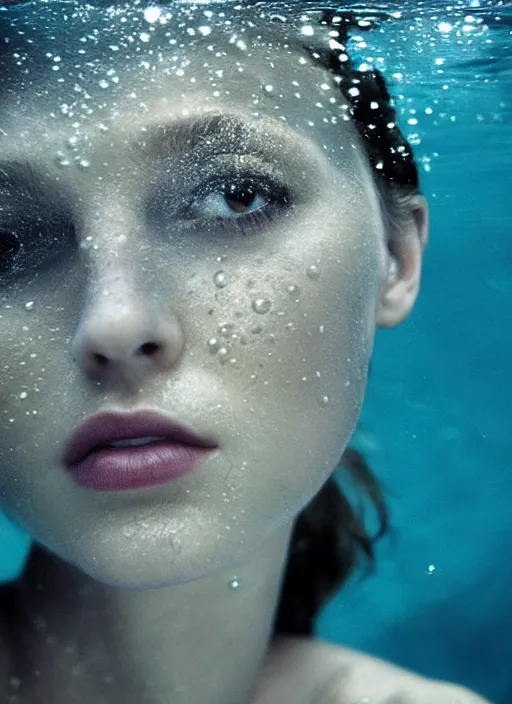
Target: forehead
(89, 60)
(107, 50)
(77, 70)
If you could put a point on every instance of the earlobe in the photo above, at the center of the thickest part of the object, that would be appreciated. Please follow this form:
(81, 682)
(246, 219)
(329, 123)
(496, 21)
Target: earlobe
(401, 281)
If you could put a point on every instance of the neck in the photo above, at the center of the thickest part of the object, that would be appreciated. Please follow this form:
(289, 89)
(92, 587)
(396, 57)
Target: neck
(204, 641)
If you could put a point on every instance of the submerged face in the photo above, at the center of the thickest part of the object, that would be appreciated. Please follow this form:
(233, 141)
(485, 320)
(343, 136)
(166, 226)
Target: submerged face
(189, 225)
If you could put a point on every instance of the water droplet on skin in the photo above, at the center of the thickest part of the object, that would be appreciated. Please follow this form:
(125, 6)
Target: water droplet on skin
(234, 584)
(220, 279)
(62, 160)
(29, 305)
(312, 271)
(226, 329)
(261, 305)
(213, 345)
(87, 243)
(75, 142)
(82, 163)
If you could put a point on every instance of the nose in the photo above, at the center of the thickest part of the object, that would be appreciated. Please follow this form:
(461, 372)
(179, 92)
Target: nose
(125, 338)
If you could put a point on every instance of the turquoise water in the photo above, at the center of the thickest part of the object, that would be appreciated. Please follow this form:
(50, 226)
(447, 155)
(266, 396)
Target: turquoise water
(436, 423)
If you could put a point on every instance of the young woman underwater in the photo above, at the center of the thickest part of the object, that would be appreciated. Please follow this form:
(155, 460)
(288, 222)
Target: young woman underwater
(205, 215)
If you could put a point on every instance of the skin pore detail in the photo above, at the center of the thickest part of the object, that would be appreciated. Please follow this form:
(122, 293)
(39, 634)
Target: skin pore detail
(188, 226)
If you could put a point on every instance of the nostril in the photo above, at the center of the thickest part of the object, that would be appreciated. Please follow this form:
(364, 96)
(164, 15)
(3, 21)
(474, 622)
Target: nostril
(148, 348)
(100, 359)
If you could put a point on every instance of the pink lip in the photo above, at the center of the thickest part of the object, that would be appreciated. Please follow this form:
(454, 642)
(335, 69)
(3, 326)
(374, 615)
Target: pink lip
(111, 469)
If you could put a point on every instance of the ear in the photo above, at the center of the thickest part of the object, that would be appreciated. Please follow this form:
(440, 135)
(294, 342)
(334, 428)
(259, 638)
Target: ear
(402, 276)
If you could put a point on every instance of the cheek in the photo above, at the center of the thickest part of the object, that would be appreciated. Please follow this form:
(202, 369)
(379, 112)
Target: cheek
(289, 334)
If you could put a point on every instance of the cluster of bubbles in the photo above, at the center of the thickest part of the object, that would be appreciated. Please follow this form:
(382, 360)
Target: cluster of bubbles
(227, 333)
(436, 58)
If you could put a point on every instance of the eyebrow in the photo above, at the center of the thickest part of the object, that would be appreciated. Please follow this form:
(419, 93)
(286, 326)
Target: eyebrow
(219, 132)
(224, 131)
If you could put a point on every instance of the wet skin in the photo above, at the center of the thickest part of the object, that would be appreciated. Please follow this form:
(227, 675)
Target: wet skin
(139, 285)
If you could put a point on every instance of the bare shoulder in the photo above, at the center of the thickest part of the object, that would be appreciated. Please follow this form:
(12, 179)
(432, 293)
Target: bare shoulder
(309, 671)
(359, 677)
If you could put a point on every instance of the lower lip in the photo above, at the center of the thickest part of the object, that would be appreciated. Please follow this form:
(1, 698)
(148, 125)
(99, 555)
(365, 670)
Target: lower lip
(118, 469)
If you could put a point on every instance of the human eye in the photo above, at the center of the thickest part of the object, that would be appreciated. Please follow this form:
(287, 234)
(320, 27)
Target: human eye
(9, 248)
(29, 246)
(243, 202)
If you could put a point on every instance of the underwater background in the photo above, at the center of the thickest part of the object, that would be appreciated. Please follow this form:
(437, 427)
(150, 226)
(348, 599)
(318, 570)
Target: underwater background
(437, 422)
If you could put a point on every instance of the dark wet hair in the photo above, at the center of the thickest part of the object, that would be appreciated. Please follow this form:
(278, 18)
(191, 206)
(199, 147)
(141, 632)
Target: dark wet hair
(330, 540)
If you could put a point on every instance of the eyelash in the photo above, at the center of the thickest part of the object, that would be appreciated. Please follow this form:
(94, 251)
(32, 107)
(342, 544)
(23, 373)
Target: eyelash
(276, 194)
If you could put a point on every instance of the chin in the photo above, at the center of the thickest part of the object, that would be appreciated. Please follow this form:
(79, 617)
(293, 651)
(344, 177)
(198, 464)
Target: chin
(153, 559)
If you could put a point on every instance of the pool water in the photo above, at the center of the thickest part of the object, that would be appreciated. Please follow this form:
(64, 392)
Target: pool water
(436, 422)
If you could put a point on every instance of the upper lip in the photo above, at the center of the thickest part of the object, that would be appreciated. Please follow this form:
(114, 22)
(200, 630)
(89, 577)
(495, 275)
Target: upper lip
(108, 427)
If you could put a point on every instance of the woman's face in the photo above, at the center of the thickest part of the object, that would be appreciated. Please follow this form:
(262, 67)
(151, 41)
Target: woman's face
(118, 151)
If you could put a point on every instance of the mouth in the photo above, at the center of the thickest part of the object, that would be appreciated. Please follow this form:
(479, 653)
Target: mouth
(113, 431)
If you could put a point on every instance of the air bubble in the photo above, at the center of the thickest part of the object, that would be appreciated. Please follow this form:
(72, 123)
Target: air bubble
(62, 160)
(82, 163)
(213, 345)
(220, 279)
(313, 272)
(293, 290)
(261, 305)
(234, 584)
(75, 142)
(325, 400)
(226, 329)
(29, 305)
(223, 355)
(152, 14)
